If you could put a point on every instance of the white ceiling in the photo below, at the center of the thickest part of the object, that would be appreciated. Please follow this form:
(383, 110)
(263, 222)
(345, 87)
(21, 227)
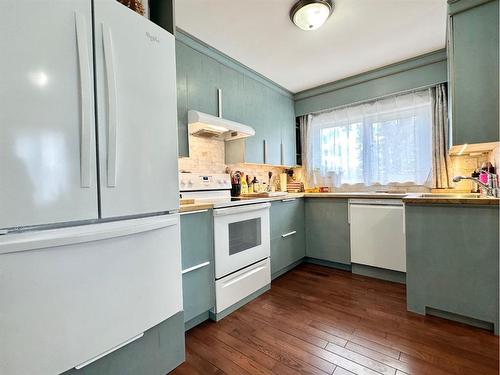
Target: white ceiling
(361, 35)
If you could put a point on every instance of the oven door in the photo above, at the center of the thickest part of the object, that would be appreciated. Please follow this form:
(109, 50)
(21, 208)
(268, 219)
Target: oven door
(241, 237)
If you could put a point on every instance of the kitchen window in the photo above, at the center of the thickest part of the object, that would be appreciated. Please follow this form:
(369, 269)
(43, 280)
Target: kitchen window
(382, 142)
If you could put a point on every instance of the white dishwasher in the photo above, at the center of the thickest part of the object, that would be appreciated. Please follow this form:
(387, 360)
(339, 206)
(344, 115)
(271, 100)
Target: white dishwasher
(377, 233)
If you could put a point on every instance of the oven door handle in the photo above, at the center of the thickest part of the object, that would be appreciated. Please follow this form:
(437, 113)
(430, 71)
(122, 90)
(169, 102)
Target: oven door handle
(241, 209)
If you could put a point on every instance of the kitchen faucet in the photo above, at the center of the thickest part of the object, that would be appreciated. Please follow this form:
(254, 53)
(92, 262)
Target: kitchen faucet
(490, 187)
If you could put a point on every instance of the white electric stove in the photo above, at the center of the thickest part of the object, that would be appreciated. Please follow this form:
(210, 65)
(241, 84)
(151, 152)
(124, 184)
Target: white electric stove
(241, 237)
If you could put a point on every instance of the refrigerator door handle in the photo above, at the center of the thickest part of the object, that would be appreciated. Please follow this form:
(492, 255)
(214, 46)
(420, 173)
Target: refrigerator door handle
(112, 104)
(86, 101)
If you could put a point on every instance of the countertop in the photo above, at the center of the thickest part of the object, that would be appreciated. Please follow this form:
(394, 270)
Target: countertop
(411, 198)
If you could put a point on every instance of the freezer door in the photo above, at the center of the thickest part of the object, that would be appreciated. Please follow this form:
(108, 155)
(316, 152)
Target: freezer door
(70, 295)
(47, 140)
(137, 121)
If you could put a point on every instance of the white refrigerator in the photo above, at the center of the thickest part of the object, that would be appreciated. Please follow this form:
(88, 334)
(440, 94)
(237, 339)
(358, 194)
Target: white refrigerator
(89, 234)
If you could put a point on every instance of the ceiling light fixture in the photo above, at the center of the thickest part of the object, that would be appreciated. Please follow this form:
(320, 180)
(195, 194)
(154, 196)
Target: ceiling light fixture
(311, 14)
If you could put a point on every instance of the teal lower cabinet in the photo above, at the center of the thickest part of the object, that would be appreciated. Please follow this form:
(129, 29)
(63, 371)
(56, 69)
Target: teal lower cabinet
(198, 292)
(287, 235)
(198, 282)
(158, 352)
(327, 231)
(452, 262)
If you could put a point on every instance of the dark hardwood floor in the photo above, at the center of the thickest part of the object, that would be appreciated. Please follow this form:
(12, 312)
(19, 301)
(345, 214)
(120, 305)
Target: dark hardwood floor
(317, 320)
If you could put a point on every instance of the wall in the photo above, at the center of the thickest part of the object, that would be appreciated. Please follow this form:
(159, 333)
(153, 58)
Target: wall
(421, 71)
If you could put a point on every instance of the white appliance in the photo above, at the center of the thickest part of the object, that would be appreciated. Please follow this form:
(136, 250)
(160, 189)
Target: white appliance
(90, 247)
(204, 125)
(241, 237)
(378, 233)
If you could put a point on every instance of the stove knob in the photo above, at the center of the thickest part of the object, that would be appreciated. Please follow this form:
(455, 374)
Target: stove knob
(190, 183)
(183, 183)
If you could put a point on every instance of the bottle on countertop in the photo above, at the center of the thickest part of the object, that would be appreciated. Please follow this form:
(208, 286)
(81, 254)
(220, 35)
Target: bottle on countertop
(244, 186)
(475, 187)
(249, 184)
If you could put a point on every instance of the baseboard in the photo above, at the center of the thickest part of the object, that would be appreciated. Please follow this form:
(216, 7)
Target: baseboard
(196, 320)
(379, 273)
(461, 319)
(221, 315)
(327, 263)
(286, 269)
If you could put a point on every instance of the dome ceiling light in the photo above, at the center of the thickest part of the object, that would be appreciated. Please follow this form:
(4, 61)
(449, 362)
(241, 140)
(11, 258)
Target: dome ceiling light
(311, 14)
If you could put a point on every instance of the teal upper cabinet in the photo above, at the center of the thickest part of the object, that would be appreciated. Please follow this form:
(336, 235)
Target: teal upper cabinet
(473, 69)
(247, 98)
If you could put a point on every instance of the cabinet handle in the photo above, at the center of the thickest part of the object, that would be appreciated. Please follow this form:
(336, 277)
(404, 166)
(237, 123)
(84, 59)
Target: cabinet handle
(265, 151)
(192, 212)
(282, 153)
(288, 234)
(288, 199)
(195, 267)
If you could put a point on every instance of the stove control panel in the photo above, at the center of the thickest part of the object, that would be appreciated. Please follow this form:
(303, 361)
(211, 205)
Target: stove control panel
(196, 181)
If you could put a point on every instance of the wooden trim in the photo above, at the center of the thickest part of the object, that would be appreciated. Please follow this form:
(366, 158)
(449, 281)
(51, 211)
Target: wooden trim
(202, 47)
(388, 70)
(459, 6)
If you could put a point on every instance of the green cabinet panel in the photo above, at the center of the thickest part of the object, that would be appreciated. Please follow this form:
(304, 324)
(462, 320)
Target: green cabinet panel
(327, 229)
(182, 54)
(287, 234)
(198, 291)
(474, 79)
(286, 216)
(272, 127)
(198, 284)
(232, 84)
(285, 251)
(196, 238)
(254, 116)
(288, 137)
(452, 260)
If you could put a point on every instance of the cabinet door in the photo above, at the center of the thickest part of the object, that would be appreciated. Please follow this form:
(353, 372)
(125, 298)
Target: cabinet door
(182, 57)
(286, 216)
(47, 140)
(474, 75)
(232, 84)
(254, 116)
(196, 238)
(198, 291)
(272, 128)
(202, 83)
(288, 137)
(287, 250)
(327, 230)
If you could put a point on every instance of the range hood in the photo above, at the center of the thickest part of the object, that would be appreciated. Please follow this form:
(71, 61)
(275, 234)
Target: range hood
(204, 125)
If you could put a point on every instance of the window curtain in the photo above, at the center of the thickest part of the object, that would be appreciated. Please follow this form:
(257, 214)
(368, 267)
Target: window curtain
(440, 158)
(381, 142)
(304, 124)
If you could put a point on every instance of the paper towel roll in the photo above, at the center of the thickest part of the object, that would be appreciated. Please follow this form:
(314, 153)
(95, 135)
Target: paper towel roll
(283, 181)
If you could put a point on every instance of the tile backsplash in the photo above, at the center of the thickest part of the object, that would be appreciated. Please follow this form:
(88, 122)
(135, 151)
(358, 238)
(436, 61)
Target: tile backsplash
(464, 165)
(207, 156)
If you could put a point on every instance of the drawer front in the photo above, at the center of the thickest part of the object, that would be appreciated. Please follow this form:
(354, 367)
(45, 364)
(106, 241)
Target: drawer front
(198, 291)
(287, 250)
(286, 216)
(196, 238)
(241, 284)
